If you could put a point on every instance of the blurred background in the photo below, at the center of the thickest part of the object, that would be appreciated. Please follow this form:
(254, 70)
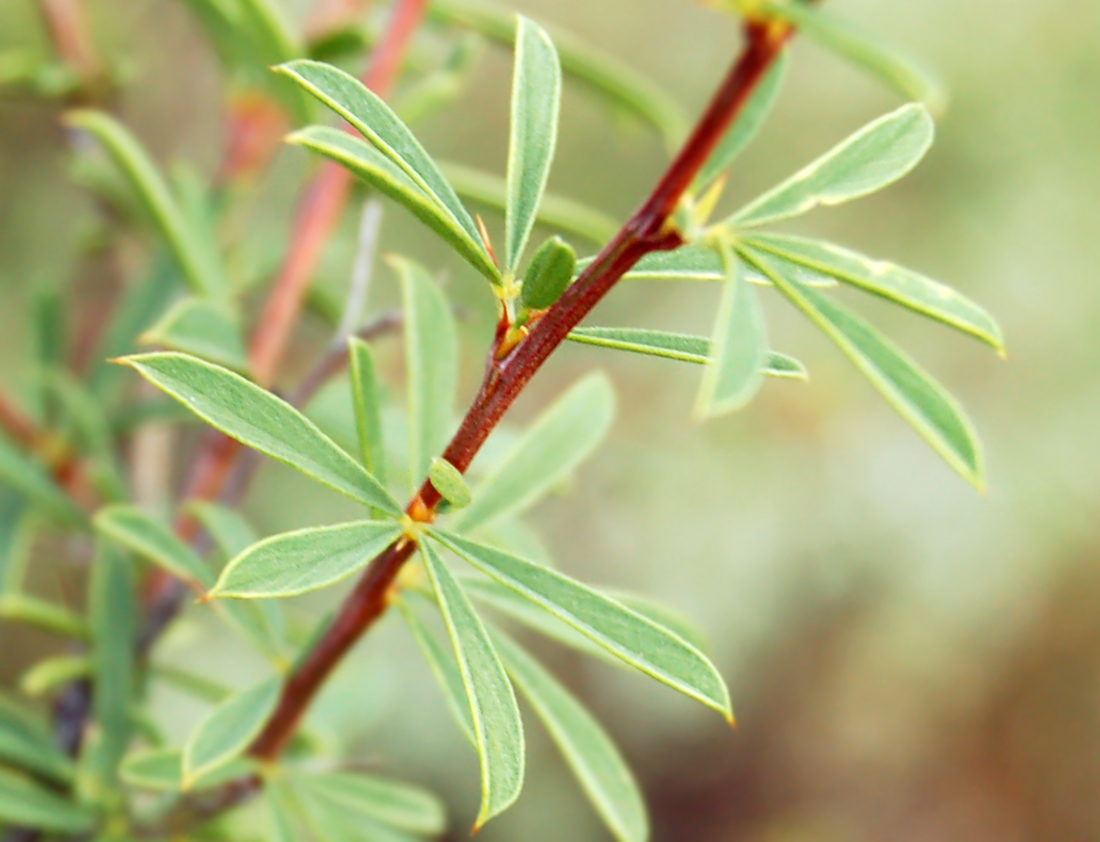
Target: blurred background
(908, 659)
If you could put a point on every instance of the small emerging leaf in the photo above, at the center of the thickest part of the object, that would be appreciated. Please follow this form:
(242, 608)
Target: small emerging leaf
(228, 729)
(493, 709)
(431, 351)
(536, 99)
(305, 560)
(589, 751)
(258, 419)
(739, 347)
(888, 280)
(624, 633)
(450, 483)
(920, 400)
(877, 155)
(675, 346)
(199, 326)
(548, 275)
(560, 439)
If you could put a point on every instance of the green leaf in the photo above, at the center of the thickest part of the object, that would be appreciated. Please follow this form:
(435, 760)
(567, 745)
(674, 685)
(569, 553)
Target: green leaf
(114, 620)
(400, 805)
(522, 610)
(746, 126)
(25, 742)
(161, 770)
(450, 483)
(555, 211)
(20, 608)
(371, 166)
(562, 437)
(841, 37)
(229, 729)
(444, 668)
(26, 804)
(52, 673)
(877, 155)
(536, 102)
(625, 633)
(621, 85)
(130, 527)
(198, 258)
(739, 347)
(431, 354)
(203, 328)
(232, 533)
(548, 274)
(367, 398)
(892, 282)
(675, 346)
(698, 263)
(258, 419)
(376, 121)
(28, 479)
(589, 751)
(493, 708)
(298, 562)
(920, 400)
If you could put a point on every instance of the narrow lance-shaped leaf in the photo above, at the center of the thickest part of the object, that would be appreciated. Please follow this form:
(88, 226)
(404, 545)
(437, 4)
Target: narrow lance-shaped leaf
(444, 668)
(621, 85)
(42, 614)
(161, 770)
(739, 347)
(517, 607)
(877, 155)
(394, 803)
(228, 729)
(560, 439)
(699, 263)
(675, 346)
(48, 675)
(625, 633)
(367, 399)
(920, 400)
(589, 751)
(258, 419)
(114, 621)
(376, 121)
(556, 211)
(371, 166)
(24, 803)
(151, 539)
(746, 126)
(431, 358)
(892, 282)
(305, 560)
(843, 38)
(30, 481)
(493, 709)
(536, 100)
(200, 327)
(199, 259)
(26, 743)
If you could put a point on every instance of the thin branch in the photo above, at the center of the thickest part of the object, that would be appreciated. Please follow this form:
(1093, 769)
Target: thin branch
(649, 230)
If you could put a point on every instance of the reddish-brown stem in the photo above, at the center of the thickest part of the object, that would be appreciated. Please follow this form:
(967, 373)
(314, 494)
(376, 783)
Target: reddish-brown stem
(69, 33)
(649, 230)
